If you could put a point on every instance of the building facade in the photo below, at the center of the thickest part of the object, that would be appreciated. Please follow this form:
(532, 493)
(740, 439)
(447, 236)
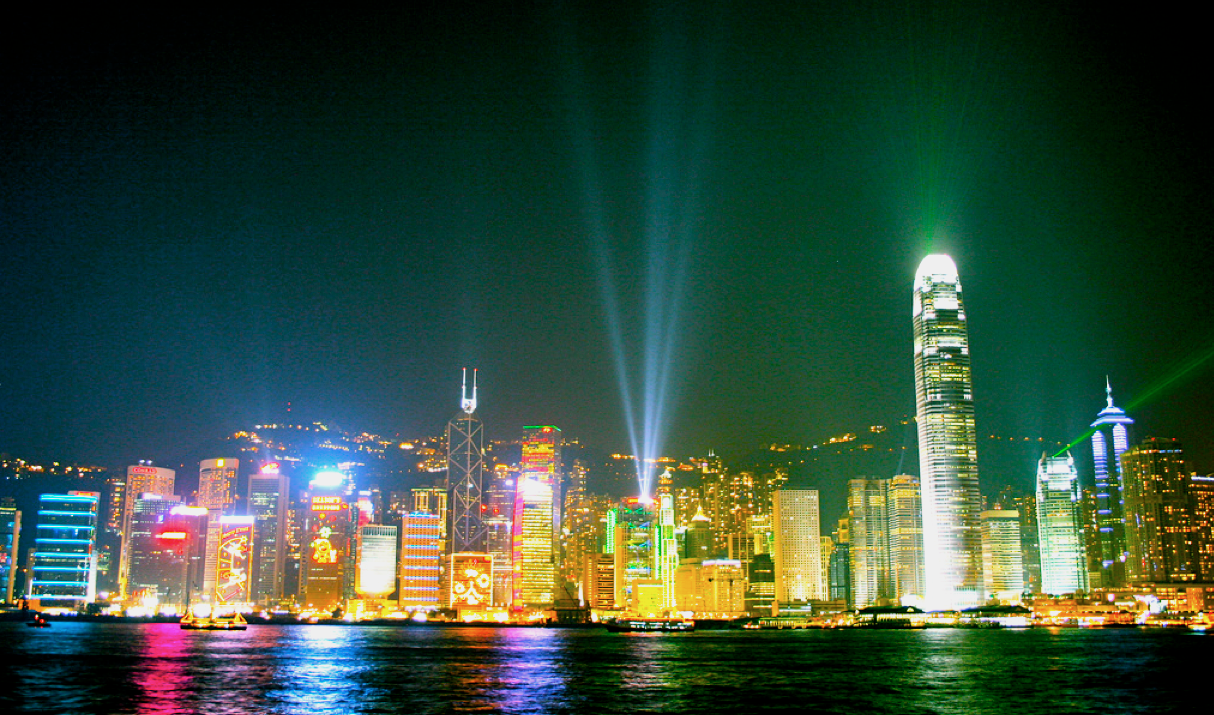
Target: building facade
(798, 546)
(1059, 527)
(1161, 531)
(948, 453)
(1110, 440)
(64, 570)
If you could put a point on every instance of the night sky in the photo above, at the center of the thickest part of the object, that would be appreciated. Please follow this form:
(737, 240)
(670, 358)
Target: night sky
(205, 218)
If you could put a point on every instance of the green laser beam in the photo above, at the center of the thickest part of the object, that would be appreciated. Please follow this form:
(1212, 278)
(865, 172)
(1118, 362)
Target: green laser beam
(1184, 369)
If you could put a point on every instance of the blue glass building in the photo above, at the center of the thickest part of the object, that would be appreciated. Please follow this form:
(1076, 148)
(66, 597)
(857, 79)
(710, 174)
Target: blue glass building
(1110, 439)
(65, 563)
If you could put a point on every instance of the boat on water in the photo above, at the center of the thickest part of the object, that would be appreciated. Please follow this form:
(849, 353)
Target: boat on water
(38, 621)
(650, 625)
(234, 622)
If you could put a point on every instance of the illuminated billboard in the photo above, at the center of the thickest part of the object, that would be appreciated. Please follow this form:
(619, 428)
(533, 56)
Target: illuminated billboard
(232, 572)
(471, 581)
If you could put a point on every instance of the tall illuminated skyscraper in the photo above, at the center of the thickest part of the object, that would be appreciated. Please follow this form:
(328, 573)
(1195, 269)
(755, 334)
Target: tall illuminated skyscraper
(216, 484)
(868, 514)
(465, 472)
(1161, 533)
(948, 452)
(140, 479)
(1063, 559)
(798, 546)
(905, 506)
(534, 560)
(267, 504)
(1110, 439)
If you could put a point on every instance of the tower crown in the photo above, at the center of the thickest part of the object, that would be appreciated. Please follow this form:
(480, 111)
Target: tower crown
(466, 404)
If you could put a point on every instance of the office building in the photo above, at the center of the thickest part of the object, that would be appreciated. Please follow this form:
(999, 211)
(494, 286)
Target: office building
(868, 515)
(1161, 533)
(141, 478)
(905, 507)
(158, 565)
(232, 584)
(216, 487)
(64, 567)
(420, 561)
(267, 503)
(535, 517)
(1063, 560)
(10, 543)
(1002, 566)
(1110, 440)
(797, 552)
(377, 561)
(948, 452)
(327, 565)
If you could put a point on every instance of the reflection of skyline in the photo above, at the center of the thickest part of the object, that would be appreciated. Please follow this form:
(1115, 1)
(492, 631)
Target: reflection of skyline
(157, 668)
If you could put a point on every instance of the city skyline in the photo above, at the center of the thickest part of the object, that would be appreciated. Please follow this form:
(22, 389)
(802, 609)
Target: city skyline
(205, 227)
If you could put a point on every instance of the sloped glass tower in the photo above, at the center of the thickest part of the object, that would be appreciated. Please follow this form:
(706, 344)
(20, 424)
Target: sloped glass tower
(948, 452)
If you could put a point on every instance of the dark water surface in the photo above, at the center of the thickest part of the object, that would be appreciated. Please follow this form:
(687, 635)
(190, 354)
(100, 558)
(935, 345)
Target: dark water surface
(159, 668)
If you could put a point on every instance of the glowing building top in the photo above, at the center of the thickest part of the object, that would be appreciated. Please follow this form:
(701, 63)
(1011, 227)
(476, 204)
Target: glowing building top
(1110, 439)
(948, 454)
(468, 405)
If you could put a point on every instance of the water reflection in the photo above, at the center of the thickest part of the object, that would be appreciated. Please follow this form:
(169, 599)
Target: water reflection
(128, 668)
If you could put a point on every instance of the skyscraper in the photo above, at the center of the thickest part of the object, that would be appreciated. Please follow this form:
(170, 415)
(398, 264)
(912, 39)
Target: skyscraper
(534, 527)
(268, 507)
(1110, 439)
(1063, 561)
(869, 518)
(798, 548)
(140, 479)
(905, 506)
(465, 472)
(948, 453)
(216, 482)
(1002, 565)
(65, 562)
(1161, 531)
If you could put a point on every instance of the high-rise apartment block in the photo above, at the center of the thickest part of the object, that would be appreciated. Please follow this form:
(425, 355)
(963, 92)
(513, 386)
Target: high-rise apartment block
(948, 452)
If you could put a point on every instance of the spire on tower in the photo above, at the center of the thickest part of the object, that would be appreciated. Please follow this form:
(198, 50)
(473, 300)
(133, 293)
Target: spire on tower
(468, 405)
(1108, 390)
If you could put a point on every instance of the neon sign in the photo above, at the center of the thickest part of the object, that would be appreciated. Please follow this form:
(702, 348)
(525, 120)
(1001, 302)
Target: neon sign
(232, 573)
(471, 581)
